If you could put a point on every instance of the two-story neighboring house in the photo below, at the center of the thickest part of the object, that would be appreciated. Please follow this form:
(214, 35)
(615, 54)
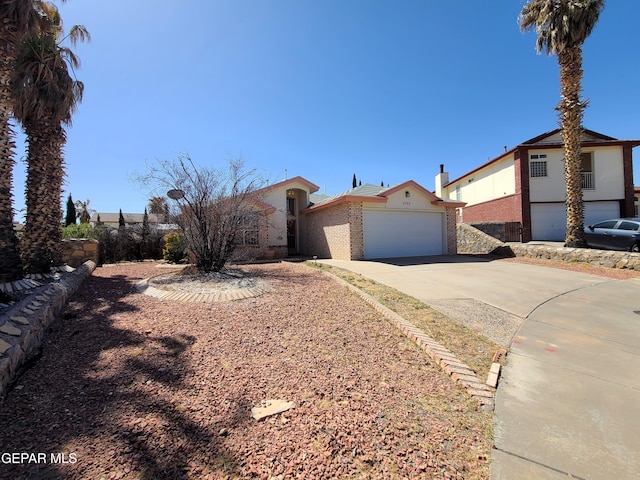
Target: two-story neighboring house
(527, 185)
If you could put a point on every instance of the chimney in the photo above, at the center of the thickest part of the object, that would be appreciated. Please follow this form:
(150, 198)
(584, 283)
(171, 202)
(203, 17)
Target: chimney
(442, 179)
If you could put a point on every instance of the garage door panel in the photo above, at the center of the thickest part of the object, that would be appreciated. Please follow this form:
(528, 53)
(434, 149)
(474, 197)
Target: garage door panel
(402, 234)
(549, 220)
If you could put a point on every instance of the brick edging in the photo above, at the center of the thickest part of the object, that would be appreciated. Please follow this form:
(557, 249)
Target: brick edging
(446, 359)
(143, 286)
(25, 324)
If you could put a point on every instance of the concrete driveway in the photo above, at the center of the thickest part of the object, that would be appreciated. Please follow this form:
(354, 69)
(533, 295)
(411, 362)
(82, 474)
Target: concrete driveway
(568, 402)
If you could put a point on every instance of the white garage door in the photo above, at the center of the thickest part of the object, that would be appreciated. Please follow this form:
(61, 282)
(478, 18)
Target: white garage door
(402, 234)
(549, 220)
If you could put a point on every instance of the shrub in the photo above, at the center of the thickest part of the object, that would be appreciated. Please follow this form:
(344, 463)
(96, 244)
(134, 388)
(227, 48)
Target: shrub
(174, 250)
(82, 230)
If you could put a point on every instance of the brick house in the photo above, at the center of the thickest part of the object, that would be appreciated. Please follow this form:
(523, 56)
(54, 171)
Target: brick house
(290, 218)
(526, 185)
(365, 222)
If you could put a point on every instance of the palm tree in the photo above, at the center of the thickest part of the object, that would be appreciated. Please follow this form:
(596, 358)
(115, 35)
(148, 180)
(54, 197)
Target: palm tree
(45, 96)
(159, 206)
(84, 212)
(14, 18)
(562, 27)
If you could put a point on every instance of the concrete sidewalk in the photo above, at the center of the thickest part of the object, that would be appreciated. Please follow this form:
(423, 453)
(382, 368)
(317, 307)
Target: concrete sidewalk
(568, 402)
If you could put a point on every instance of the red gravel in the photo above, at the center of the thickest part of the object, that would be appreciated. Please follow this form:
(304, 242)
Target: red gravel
(615, 273)
(131, 387)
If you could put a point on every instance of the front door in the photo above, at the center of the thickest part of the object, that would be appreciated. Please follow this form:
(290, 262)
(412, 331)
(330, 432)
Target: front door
(291, 237)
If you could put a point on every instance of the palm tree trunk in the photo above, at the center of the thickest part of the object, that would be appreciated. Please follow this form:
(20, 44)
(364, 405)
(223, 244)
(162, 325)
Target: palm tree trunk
(10, 266)
(42, 235)
(14, 19)
(55, 177)
(571, 108)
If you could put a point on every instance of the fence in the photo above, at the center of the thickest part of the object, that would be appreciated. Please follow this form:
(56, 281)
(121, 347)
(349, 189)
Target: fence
(512, 232)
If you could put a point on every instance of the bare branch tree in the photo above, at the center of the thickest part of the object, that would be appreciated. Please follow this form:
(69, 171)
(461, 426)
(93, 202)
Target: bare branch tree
(210, 205)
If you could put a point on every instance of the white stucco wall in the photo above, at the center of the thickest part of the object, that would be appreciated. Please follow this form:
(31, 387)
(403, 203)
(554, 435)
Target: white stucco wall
(494, 181)
(608, 172)
(277, 221)
(417, 200)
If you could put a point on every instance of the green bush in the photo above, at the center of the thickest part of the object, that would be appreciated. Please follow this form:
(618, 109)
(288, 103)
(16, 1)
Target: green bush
(81, 230)
(174, 250)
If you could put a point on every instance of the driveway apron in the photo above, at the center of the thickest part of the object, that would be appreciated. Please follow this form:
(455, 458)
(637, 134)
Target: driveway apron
(568, 401)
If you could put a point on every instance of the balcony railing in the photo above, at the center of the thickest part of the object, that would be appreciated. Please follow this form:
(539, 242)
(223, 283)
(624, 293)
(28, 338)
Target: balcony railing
(588, 182)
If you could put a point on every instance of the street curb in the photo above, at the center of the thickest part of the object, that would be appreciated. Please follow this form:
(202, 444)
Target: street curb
(446, 359)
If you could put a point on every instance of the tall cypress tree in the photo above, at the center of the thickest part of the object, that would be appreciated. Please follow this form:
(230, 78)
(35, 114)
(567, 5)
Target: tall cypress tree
(145, 225)
(355, 182)
(70, 218)
(121, 223)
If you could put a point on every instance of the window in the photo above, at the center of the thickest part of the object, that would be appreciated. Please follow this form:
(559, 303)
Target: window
(247, 233)
(607, 224)
(458, 196)
(588, 179)
(628, 226)
(291, 206)
(538, 168)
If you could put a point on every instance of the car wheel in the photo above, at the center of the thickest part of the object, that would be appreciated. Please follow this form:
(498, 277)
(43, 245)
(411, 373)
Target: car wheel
(635, 247)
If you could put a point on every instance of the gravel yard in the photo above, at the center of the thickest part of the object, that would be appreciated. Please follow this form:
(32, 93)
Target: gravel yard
(132, 387)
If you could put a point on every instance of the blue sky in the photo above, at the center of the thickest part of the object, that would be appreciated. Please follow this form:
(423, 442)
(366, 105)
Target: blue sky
(387, 90)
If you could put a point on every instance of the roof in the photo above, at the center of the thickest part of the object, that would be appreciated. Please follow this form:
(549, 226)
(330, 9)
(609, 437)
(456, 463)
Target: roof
(312, 186)
(591, 138)
(376, 193)
(108, 217)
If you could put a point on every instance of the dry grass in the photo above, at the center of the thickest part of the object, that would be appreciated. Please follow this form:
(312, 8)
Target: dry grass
(473, 349)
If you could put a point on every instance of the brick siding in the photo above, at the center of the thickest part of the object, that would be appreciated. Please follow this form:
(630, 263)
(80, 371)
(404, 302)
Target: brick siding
(452, 236)
(335, 232)
(505, 209)
(356, 234)
(329, 232)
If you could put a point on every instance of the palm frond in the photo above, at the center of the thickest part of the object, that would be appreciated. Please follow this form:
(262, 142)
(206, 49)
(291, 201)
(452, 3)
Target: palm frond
(78, 33)
(560, 24)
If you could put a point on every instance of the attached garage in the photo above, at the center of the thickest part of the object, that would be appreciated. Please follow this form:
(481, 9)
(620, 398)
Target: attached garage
(549, 220)
(371, 221)
(389, 234)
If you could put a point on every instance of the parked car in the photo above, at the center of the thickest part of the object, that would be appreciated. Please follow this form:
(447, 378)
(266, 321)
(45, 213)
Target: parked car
(615, 234)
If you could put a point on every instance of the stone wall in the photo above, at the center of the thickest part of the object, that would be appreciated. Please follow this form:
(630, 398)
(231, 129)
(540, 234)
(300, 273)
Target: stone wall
(473, 241)
(76, 251)
(23, 326)
(603, 258)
